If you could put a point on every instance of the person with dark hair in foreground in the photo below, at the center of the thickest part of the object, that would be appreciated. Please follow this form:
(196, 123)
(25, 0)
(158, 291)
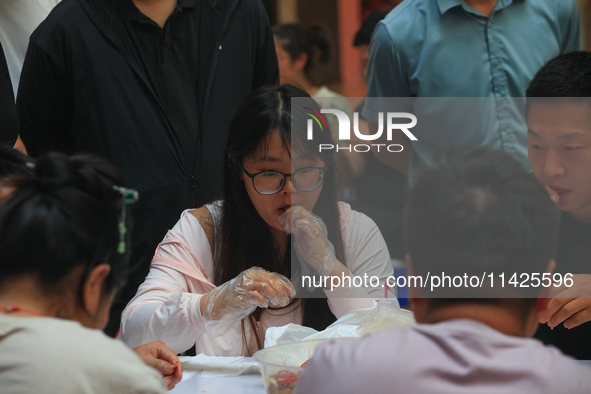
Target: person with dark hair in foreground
(481, 211)
(229, 270)
(64, 256)
(559, 139)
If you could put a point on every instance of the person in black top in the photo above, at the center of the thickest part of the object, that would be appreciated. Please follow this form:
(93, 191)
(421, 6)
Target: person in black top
(152, 86)
(8, 115)
(559, 149)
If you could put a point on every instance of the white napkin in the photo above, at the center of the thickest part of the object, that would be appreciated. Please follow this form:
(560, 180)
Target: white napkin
(216, 367)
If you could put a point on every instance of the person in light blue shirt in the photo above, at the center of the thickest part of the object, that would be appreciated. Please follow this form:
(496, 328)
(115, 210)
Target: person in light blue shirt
(457, 49)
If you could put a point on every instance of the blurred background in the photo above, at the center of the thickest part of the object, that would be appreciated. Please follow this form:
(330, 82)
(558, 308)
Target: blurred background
(341, 19)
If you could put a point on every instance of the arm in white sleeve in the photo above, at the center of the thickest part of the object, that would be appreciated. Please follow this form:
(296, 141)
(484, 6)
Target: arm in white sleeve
(166, 306)
(162, 313)
(367, 256)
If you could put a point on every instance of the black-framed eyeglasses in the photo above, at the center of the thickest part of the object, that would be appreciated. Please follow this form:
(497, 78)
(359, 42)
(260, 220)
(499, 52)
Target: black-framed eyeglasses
(270, 182)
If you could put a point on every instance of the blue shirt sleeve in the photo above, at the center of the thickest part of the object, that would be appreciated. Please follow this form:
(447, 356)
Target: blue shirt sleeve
(571, 29)
(386, 74)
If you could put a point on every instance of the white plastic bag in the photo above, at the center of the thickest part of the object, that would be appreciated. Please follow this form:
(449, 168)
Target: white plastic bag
(289, 333)
(387, 314)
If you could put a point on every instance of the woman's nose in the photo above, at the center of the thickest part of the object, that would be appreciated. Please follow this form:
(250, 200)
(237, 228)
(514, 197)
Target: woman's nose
(288, 188)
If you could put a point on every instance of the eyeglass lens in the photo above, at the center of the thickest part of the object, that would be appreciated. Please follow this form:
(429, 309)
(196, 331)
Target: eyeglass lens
(305, 179)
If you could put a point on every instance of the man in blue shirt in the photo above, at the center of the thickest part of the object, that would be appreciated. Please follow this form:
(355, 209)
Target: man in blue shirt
(465, 48)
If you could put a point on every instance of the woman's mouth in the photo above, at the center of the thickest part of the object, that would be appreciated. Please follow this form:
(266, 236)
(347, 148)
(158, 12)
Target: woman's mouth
(282, 210)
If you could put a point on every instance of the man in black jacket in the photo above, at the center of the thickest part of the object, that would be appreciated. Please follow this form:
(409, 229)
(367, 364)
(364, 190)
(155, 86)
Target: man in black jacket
(152, 86)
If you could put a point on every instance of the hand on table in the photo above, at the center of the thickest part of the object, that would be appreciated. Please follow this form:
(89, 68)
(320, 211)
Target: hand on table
(234, 300)
(158, 356)
(571, 305)
(311, 241)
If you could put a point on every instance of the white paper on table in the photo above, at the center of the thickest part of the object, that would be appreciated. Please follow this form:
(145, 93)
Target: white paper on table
(244, 384)
(215, 367)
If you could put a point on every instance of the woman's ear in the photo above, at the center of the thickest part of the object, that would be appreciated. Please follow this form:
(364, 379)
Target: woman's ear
(232, 162)
(93, 291)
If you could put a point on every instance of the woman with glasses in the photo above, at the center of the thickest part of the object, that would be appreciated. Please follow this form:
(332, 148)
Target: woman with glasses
(219, 278)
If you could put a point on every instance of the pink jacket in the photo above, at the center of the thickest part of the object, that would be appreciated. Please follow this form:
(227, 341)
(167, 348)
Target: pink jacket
(166, 306)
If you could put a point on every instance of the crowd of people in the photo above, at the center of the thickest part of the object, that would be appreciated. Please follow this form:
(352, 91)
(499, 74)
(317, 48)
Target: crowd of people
(168, 190)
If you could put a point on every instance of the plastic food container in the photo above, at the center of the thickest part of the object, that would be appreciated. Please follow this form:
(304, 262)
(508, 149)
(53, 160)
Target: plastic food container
(281, 365)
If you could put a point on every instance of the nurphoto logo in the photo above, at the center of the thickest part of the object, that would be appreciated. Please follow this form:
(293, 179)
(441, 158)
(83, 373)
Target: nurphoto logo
(345, 129)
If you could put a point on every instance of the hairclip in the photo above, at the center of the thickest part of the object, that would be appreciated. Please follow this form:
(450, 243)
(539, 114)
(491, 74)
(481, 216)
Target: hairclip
(129, 196)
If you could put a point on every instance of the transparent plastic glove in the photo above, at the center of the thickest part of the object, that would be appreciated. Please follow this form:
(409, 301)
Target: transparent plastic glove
(234, 300)
(311, 241)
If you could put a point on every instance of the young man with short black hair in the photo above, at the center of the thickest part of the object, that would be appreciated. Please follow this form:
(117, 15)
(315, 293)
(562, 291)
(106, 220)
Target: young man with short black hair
(559, 149)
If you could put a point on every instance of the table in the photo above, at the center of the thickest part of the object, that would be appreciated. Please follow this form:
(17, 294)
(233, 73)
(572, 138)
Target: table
(250, 383)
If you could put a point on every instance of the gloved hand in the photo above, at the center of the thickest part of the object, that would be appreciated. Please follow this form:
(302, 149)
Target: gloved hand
(311, 241)
(234, 300)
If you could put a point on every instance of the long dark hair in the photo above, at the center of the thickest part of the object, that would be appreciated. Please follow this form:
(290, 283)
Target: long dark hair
(246, 239)
(63, 216)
